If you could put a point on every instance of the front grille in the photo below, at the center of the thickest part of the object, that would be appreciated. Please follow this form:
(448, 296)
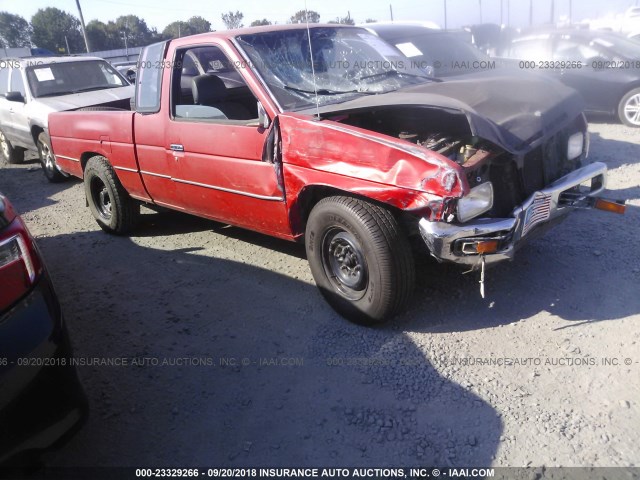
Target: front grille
(540, 167)
(515, 178)
(546, 163)
(533, 171)
(506, 188)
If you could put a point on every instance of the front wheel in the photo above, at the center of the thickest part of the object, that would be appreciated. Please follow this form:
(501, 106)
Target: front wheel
(629, 109)
(113, 208)
(360, 259)
(48, 160)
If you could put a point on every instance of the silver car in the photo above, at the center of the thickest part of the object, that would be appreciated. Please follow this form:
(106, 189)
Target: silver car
(31, 88)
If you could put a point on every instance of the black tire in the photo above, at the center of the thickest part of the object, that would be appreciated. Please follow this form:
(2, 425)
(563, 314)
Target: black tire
(8, 152)
(360, 259)
(113, 208)
(48, 160)
(629, 109)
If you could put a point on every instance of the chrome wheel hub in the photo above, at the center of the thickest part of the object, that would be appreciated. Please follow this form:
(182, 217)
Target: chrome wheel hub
(47, 157)
(632, 109)
(4, 145)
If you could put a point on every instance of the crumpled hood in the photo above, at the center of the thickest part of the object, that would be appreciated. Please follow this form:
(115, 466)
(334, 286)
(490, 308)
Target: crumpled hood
(514, 110)
(86, 99)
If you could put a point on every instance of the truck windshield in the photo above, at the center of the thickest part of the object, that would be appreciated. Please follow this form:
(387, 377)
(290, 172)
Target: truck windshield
(347, 62)
(64, 78)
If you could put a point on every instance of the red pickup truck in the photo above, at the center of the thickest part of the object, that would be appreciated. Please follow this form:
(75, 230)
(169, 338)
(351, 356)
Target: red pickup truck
(328, 135)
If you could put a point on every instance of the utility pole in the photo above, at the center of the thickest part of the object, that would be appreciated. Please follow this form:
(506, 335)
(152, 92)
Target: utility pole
(530, 13)
(445, 14)
(391, 11)
(571, 11)
(124, 34)
(84, 30)
(67, 42)
(553, 8)
(480, 6)
(501, 12)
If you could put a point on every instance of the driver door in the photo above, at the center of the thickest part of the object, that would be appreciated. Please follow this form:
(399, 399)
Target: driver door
(216, 144)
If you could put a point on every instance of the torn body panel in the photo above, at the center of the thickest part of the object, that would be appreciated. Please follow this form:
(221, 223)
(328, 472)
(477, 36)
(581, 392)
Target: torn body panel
(329, 154)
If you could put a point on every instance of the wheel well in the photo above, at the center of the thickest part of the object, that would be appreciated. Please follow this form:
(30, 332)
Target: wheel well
(627, 90)
(312, 194)
(84, 158)
(36, 130)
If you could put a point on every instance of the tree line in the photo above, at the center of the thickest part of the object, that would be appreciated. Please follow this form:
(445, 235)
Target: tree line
(60, 32)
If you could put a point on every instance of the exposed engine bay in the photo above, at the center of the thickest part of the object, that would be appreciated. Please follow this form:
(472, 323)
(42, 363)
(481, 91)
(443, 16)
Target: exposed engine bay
(514, 177)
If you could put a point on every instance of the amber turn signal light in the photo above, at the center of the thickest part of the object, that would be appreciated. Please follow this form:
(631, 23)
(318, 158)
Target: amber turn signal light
(609, 206)
(487, 246)
(480, 247)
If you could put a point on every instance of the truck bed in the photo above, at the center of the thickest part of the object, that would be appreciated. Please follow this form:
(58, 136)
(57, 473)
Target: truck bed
(79, 135)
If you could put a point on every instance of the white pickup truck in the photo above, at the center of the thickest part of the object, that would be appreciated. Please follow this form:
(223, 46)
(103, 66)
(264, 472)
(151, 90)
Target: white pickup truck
(31, 88)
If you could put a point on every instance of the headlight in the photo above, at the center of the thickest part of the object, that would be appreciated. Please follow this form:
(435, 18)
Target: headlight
(575, 145)
(479, 200)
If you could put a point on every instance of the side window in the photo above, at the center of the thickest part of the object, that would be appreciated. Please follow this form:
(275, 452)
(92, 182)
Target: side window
(533, 49)
(149, 78)
(4, 80)
(208, 87)
(17, 84)
(567, 49)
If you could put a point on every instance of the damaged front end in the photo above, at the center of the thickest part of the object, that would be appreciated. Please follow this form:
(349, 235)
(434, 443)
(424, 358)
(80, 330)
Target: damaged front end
(496, 239)
(529, 194)
(510, 196)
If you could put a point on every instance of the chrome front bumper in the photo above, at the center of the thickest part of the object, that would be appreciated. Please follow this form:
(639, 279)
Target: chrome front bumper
(447, 241)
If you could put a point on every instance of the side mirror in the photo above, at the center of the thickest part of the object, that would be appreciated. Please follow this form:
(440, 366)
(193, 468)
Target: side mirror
(263, 118)
(14, 97)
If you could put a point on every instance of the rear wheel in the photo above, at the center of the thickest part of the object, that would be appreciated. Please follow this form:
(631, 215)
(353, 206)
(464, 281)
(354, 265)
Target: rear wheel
(8, 152)
(360, 259)
(113, 208)
(48, 160)
(629, 109)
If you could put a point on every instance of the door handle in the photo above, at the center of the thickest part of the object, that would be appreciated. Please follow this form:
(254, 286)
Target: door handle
(176, 147)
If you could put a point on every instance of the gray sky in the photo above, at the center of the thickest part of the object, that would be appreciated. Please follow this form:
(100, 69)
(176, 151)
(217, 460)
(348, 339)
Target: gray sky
(159, 13)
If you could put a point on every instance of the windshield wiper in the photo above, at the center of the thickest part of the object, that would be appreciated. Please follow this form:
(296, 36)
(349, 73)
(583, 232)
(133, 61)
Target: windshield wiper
(88, 89)
(395, 73)
(52, 94)
(325, 91)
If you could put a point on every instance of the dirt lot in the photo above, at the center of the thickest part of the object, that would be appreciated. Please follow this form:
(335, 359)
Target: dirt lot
(544, 371)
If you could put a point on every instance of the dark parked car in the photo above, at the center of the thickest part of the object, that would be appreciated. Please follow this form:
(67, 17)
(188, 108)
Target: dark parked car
(444, 53)
(603, 66)
(41, 399)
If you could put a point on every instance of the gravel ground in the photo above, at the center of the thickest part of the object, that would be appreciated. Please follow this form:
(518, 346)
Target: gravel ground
(254, 369)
